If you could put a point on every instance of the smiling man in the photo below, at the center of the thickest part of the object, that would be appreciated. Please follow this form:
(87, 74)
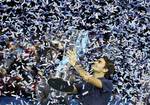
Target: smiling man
(96, 89)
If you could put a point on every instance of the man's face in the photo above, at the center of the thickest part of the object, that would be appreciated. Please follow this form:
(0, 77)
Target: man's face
(99, 65)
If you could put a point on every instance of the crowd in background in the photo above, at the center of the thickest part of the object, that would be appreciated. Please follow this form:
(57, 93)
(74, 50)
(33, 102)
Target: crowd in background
(35, 34)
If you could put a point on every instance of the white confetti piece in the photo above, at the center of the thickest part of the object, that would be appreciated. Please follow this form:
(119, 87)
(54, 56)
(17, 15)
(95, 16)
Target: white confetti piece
(85, 93)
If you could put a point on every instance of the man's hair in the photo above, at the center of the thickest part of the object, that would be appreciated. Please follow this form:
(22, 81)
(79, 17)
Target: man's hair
(110, 66)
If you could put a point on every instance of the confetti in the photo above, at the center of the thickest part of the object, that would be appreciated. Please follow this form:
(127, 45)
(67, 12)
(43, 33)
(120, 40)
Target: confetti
(35, 36)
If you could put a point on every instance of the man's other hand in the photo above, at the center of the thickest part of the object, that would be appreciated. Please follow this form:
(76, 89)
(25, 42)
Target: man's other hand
(72, 57)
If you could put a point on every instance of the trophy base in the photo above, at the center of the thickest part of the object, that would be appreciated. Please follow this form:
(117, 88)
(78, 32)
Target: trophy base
(60, 85)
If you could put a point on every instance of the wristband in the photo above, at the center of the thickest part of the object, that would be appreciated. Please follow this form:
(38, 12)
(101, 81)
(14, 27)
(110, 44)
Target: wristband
(75, 64)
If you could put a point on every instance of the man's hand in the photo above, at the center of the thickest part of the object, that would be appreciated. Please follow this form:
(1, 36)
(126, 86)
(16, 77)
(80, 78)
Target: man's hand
(72, 57)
